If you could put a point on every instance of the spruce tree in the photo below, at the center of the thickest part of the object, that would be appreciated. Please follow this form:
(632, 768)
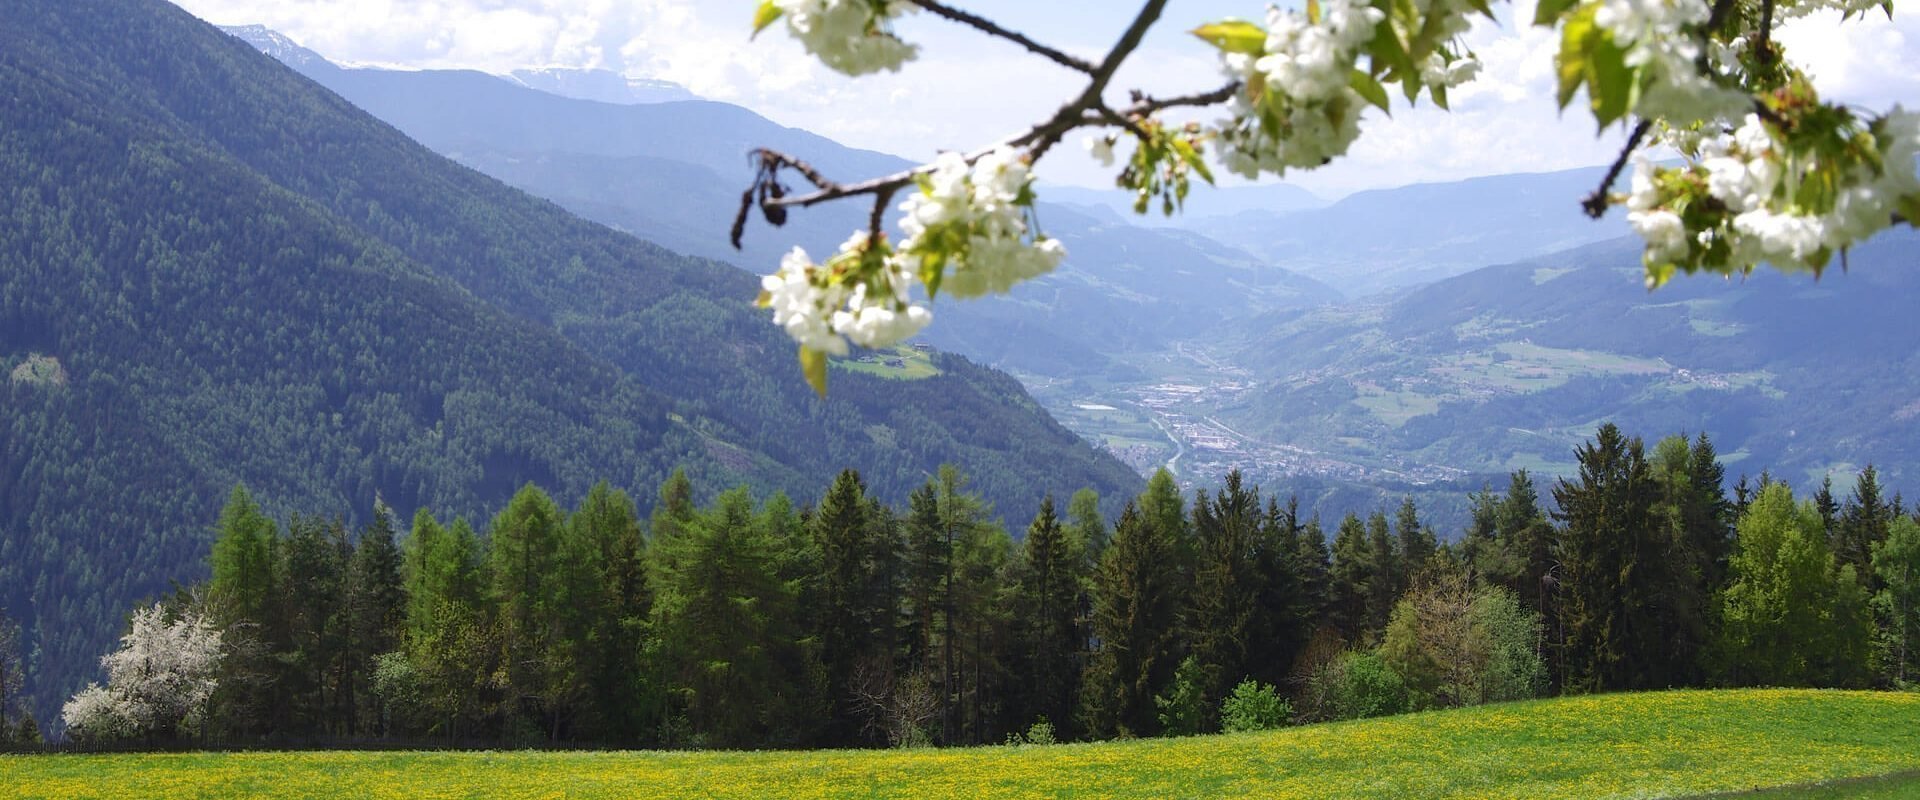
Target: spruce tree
(1136, 607)
(1050, 638)
(1611, 550)
(376, 608)
(1350, 579)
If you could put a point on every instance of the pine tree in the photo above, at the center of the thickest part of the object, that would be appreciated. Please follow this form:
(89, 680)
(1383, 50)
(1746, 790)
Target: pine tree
(1224, 604)
(1414, 543)
(1388, 580)
(1049, 631)
(1350, 579)
(613, 603)
(857, 603)
(1863, 524)
(727, 628)
(1135, 611)
(1089, 527)
(1610, 549)
(376, 607)
(446, 633)
(314, 606)
(1315, 562)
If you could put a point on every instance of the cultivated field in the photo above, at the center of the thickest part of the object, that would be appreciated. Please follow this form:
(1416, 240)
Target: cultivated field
(1666, 744)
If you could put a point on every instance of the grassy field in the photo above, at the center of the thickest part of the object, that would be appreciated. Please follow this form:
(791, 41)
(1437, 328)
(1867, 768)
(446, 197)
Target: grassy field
(899, 363)
(1666, 744)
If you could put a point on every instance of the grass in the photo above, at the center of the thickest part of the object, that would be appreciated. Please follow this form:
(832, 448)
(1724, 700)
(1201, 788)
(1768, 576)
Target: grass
(1663, 744)
(899, 363)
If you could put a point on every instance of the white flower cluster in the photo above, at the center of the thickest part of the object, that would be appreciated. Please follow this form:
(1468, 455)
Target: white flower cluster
(822, 313)
(1655, 37)
(163, 674)
(1302, 81)
(976, 218)
(969, 219)
(849, 36)
(1747, 174)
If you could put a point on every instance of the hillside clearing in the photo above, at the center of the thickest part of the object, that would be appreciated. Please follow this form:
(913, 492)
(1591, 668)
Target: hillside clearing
(1664, 744)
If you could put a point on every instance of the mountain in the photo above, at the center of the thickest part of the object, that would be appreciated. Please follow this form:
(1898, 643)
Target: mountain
(1390, 239)
(599, 85)
(672, 173)
(215, 271)
(1513, 366)
(1203, 205)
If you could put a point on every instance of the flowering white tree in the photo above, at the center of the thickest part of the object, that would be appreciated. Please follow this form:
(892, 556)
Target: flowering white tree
(159, 679)
(1768, 171)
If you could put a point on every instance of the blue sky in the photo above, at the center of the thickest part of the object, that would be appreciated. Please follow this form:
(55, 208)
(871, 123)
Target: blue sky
(966, 90)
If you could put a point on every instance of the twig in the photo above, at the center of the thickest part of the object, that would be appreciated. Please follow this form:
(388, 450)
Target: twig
(1596, 203)
(986, 25)
(1144, 105)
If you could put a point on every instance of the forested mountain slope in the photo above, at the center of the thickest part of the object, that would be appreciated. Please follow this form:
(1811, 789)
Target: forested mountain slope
(672, 173)
(213, 270)
(1511, 366)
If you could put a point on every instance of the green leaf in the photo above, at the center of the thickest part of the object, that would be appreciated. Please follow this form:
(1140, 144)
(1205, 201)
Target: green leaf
(1549, 12)
(764, 299)
(1234, 36)
(813, 364)
(1370, 89)
(1313, 11)
(1440, 97)
(1910, 208)
(1576, 44)
(765, 15)
(1191, 156)
(1611, 84)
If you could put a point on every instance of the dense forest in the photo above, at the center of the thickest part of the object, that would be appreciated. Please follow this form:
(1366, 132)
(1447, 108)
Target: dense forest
(847, 622)
(213, 271)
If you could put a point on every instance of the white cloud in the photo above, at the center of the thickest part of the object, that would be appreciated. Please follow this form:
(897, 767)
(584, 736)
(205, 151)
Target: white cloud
(966, 90)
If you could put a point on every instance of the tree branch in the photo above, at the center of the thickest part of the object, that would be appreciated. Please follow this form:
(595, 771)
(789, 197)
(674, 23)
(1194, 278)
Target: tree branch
(1088, 109)
(1144, 105)
(1596, 203)
(987, 26)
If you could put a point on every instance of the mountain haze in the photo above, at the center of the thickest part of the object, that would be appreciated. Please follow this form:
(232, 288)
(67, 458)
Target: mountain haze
(672, 173)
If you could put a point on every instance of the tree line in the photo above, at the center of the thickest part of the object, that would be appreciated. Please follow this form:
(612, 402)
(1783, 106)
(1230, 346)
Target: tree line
(847, 622)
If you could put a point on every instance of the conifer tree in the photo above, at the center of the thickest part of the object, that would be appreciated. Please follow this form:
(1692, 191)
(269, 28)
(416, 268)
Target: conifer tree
(1863, 524)
(1350, 579)
(1608, 549)
(524, 562)
(376, 608)
(1050, 637)
(1136, 607)
(1388, 579)
(727, 629)
(313, 601)
(1414, 543)
(242, 598)
(613, 603)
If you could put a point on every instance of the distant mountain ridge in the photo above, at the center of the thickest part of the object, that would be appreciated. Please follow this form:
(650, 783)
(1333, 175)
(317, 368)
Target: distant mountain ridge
(671, 173)
(600, 85)
(1383, 240)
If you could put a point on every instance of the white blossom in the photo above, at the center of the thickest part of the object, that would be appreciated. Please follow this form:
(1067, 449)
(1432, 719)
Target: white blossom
(987, 201)
(162, 674)
(802, 304)
(1101, 148)
(849, 36)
